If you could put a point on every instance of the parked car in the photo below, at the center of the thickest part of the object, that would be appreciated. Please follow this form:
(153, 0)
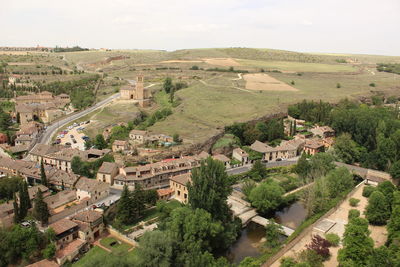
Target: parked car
(74, 141)
(72, 136)
(68, 144)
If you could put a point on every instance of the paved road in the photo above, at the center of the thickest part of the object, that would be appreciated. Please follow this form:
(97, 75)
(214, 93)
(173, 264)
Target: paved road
(272, 164)
(45, 138)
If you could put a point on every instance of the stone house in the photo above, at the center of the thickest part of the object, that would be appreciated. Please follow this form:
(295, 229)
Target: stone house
(120, 146)
(91, 188)
(241, 155)
(165, 193)
(178, 185)
(314, 146)
(323, 131)
(91, 224)
(286, 150)
(138, 136)
(224, 159)
(136, 91)
(107, 172)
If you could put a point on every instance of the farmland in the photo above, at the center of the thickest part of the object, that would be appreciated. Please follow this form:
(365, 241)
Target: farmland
(217, 95)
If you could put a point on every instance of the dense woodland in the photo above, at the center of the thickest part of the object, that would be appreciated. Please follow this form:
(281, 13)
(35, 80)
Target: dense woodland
(392, 68)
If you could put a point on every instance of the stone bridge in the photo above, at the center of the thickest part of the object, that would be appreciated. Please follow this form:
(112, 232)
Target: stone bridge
(367, 174)
(243, 210)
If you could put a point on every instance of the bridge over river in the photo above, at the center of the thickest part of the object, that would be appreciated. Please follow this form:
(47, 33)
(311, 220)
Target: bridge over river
(246, 213)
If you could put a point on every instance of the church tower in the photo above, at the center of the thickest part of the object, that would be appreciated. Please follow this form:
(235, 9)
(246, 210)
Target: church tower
(142, 94)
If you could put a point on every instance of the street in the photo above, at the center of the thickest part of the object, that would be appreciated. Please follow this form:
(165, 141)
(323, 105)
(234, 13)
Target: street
(272, 164)
(45, 138)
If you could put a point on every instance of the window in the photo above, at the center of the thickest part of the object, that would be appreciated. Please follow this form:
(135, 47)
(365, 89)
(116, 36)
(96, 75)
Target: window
(179, 193)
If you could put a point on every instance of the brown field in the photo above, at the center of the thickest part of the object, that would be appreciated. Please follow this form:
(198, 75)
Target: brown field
(180, 61)
(264, 82)
(225, 62)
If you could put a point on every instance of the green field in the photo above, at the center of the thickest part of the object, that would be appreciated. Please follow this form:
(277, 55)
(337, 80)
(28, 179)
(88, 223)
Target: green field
(297, 66)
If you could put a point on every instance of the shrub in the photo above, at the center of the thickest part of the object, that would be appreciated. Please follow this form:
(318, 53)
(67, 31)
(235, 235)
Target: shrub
(353, 213)
(338, 85)
(354, 202)
(333, 239)
(320, 246)
(372, 84)
(368, 190)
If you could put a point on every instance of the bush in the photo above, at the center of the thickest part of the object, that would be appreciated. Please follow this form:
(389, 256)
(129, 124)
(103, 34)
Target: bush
(333, 239)
(353, 213)
(354, 202)
(368, 190)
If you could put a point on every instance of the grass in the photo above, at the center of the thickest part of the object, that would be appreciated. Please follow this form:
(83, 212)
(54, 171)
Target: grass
(297, 66)
(97, 252)
(151, 214)
(225, 141)
(119, 249)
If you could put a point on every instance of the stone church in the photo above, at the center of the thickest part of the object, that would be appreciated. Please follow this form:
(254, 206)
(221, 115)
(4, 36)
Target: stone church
(136, 91)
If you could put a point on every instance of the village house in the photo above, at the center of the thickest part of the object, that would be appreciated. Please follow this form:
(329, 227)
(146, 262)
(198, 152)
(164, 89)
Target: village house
(165, 193)
(141, 137)
(12, 167)
(286, 150)
(138, 136)
(91, 224)
(120, 146)
(61, 157)
(178, 184)
(91, 188)
(60, 199)
(137, 92)
(313, 146)
(107, 172)
(155, 175)
(224, 159)
(323, 131)
(68, 244)
(241, 155)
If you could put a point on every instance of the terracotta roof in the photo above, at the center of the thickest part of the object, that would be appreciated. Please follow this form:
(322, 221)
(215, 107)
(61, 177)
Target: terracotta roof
(182, 179)
(90, 185)
(43, 149)
(203, 155)
(43, 263)
(120, 143)
(221, 157)
(70, 248)
(164, 192)
(87, 216)
(32, 191)
(60, 176)
(19, 148)
(241, 152)
(62, 225)
(314, 143)
(61, 198)
(138, 132)
(260, 147)
(108, 167)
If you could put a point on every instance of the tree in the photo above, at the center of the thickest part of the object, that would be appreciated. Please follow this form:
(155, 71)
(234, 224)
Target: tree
(395, 170)
(17, 217)
(346, 149)
(167, 85)
(43, 177)
(357, 245)
(381, 257)
(387, 189)
(156, 248)
(24, 200)
(258, 171)
(171, 95)
(302, 168)
(273, 233)
(320, 246)
(209, 190)
(339, 181)
(394, 222)
(99, 142)
(377, 211)
(40, 208)
(321, 164)
(267, 197)
(124, 210)
(49, 251)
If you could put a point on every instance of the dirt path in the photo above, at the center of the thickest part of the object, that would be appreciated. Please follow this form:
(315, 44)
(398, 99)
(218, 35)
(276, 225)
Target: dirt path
(298, 189)
(378, 233)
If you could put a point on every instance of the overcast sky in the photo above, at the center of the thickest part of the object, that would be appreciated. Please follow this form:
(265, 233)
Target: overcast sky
(340, 26)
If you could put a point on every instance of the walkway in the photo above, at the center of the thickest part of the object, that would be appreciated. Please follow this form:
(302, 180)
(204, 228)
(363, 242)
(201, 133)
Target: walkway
(368, 174)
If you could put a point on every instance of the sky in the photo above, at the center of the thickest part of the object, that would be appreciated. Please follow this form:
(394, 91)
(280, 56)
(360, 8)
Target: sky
(336, 26)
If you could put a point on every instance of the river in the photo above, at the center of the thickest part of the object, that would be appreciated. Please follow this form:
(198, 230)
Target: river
(250, 240)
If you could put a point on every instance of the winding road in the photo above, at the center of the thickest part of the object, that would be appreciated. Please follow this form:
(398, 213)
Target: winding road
(45, 138)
